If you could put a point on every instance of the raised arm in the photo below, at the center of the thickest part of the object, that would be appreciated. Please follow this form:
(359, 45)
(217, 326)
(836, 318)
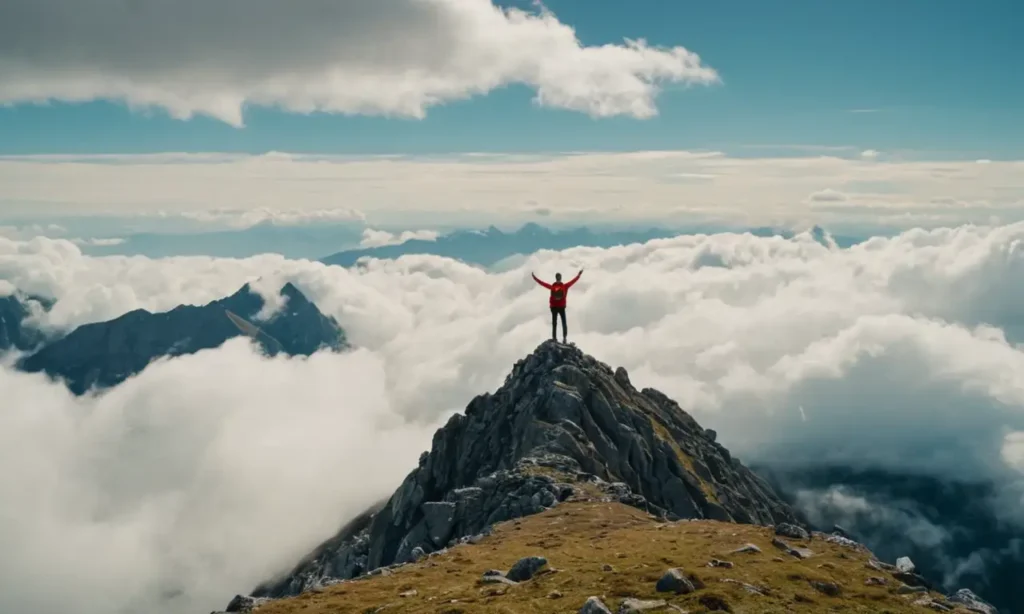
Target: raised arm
(574, 279)
(548, 286)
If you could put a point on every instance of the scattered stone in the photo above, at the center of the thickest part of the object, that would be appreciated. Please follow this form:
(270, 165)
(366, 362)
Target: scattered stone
(800, 553)
(879, 565)
(674, 582)
(827, 588)
(913, 579)
(409, 593)
(555, 595)
(635, 606)
(906, 589)
(938, 606)
(718, 563)
(843, 541)
(791, 530)
(972, 602)
(417, 554)
(494, 572)
(750, 588)
(594, 606)
(875, 581)
(714, 603)
(525, 568)
(905, 565)
(747, 549)
(607, 568)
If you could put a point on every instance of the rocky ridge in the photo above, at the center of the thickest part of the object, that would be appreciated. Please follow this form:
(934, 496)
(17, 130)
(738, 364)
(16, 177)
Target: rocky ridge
(104, 354)
(563, 427)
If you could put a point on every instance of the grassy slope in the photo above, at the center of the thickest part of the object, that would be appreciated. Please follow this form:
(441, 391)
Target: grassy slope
(579, 538)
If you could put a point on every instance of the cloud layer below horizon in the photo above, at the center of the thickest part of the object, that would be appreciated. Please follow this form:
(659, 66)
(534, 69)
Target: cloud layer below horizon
(897, 354)
(425, 192)
(386, 57)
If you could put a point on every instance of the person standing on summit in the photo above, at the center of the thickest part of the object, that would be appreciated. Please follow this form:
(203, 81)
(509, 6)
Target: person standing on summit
(559, 292)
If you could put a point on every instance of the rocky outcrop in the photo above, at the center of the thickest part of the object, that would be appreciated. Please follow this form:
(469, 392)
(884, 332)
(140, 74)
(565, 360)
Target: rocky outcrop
(563, 425)
(15, 334)
(104, 354)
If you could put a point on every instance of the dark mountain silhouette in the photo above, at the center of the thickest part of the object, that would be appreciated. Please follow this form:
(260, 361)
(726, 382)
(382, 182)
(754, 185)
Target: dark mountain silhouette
(104, 354)
(487, 247)
(15, 333)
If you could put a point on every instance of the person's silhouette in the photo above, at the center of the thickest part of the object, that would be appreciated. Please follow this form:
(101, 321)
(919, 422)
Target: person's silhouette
(557, 302)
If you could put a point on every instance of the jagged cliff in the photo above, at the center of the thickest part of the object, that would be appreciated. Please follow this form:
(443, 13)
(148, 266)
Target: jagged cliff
(104, 354)
(563, 426)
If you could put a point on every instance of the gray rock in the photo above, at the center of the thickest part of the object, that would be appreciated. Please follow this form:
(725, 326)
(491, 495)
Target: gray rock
(914, 579)
(972, 602)
(243, 603)
(635, 606)
(594, 605)
(843, 541)
(906, 589)
(747, 549)
(791, 530)
(526, 568)
(827, 588)
(440, 519)
(905, 565)
(875, 581)
(800, 553)
(718, 563)
(674, 581)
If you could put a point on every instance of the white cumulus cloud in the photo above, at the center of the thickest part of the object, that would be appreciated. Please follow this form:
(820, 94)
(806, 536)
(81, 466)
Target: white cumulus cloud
(386, 57)
(899, 354)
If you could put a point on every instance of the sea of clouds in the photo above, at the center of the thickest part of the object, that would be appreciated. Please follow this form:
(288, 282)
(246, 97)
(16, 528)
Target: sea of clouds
(206, 474)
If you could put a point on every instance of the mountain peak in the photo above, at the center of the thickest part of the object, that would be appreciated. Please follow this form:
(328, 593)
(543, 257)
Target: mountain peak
(104, 354)
(564, 426)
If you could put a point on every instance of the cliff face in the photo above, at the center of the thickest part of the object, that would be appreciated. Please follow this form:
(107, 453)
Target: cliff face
(14, 335)
(106, 353)
(563, 426)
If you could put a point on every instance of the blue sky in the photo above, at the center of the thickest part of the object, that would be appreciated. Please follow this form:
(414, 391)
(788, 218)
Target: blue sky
(940, 79)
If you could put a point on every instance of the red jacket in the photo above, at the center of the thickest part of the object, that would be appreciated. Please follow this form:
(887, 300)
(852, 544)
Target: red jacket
(559, 290)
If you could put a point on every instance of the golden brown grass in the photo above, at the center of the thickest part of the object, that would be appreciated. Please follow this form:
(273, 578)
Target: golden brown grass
(580, 538)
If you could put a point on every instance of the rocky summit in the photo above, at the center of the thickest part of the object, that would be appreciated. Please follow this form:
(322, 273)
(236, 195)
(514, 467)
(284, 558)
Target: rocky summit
(104, 354)
(563, 427)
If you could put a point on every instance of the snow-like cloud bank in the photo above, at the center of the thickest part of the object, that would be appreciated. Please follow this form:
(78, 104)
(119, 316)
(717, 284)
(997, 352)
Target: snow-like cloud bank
(656, 187)
(386, 57)
(899, 354)
(202, 476)
(380, 238)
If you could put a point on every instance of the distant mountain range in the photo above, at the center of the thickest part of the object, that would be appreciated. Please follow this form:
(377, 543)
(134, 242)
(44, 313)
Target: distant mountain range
(104, 354)
(487, 247)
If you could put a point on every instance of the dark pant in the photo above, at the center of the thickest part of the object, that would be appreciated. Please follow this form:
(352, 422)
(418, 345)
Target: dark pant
(555, 312)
